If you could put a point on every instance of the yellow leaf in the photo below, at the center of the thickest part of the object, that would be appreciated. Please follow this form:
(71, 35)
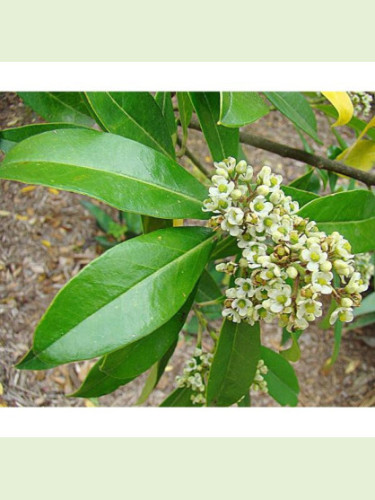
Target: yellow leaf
(361, 155)
(53, 191)
(341, 101)
(178, 222)
(21, 217)
(46, 243)
(1, 389)
(27, 189)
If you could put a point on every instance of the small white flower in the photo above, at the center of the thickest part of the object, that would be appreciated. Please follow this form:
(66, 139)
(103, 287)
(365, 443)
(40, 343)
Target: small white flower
(234, 216)
(344, 314)
(321, 282)
(260, 206)
(279, 298)
(232, 229)
(314, 256)
(356, 284)
(248, 175)
(244, 287)
(309, 309)
(231, 314)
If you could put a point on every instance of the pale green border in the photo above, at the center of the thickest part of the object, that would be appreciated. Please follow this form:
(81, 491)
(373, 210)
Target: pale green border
(186, 468)
(196, 30)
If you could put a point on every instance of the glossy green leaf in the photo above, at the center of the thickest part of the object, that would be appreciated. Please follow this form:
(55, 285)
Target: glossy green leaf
(59, 106)
(139, 356)
(19, 134)
(150, 224)
(6, 146)
(351, 213)
(225, 248)
(122, 296)
(134, 115)
(180, 397)
(245, 402)
(164, 101)
(98, 383)
(235, 362)
(240, 108)
(185, 109)
(367, 305)
(281, 379)
(296, 108)
(110, 168)
(156, 372)
(221, 141)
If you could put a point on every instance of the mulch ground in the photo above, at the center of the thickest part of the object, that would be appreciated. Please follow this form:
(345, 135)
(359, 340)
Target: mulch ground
(46, 237)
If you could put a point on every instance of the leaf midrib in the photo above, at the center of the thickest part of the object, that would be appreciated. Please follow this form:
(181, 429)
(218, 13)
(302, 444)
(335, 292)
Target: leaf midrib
(105, 172)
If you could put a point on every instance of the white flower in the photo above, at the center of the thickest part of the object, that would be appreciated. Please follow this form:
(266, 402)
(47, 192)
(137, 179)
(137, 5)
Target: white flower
(248, 175)
(260, 206)
(253, 251)
(290, 206)
(244, 287)
(356, 284)
(241, 305)
(309, 309)
(232, 229)
(314, 256)
(271, 272)
(321, 282)
(234, 216)
(277, 196)
(344, 314)
(279, 298)
(222, 188)
(231, 314)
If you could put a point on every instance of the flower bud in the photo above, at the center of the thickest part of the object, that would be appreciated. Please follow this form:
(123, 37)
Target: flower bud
(222, 172)
(263, 190)
(243, 262)
(292, 272)
(346, 302)
(241, 167)
(236, 194)
(326, 266)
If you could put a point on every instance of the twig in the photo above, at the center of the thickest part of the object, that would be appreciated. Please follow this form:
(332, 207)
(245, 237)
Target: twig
(285, 151)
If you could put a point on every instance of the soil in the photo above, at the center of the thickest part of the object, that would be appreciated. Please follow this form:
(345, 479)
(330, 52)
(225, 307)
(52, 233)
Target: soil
(46, 237)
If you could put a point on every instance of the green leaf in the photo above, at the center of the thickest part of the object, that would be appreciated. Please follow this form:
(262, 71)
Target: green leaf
(6, 146)
(102, 218)
(207, 289)
(240, 108)
(281, 379)
(139, 356)
(245, 401)
(180, 397)
(296, 108)
(124, 295)
(234, 364)
(367, 305)
(59, 106)
(31, 362)
(118, 171)
(134, 115)
(185, 109)
(308, 182)
(351, 213)
(19, 134)
(361, 321)
(225, 248)
(303, 197)
(134, 222)
(221, 141)
(98, 383)
(155, 374)
(164, 101)
(150, 224)
(336, 347)
(294, 352)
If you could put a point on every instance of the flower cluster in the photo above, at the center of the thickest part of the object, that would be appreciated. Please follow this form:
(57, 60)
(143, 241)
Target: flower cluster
(194, 375)
(363, 263)
(287, 264)
(259, 384)
(361, 102)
